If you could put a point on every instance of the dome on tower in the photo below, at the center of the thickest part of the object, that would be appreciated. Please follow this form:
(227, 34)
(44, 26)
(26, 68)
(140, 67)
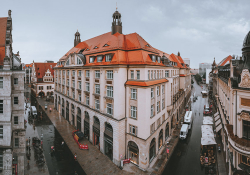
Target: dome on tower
(116, 15)
(246, 43)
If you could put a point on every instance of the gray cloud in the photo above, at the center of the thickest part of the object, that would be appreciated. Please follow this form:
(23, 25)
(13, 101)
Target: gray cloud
(200, 30)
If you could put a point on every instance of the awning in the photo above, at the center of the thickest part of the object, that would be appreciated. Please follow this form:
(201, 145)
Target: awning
(217, 122)
(207, 130)
(207, 120)
(217, 118)
(217, 113)
(218, 127)
(208, 141)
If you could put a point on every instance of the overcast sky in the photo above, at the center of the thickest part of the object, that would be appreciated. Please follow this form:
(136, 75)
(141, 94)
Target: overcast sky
(199, 29)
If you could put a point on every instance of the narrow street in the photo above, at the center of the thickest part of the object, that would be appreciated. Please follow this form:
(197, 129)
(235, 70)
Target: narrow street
(62, 162)
(186, 157)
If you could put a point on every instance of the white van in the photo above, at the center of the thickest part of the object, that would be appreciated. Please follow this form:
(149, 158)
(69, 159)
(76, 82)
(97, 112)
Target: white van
(188, 119)
(33, 111)
(184, 131)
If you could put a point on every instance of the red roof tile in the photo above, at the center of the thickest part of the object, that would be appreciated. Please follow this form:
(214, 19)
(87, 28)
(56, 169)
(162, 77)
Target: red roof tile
(225, 60)
(41, 68)
(146, 83)
(3, 28)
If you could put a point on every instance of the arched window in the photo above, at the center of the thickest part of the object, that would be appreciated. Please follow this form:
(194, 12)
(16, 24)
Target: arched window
(160, 142)
(152, 150)
(167, 131)
(133, 152)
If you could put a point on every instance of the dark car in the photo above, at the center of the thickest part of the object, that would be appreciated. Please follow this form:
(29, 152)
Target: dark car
(79, 134)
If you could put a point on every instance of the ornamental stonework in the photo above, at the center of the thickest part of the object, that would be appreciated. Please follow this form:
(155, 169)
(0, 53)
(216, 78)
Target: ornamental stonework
(244, 116)
(245, 79)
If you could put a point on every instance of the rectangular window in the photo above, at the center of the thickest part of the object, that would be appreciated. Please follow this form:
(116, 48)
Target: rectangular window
(67, 92)
(80, 85)
(109, 109)
(73, 94)
(149, 75)
(152, 110)
(157, 74)
(154, 75)
(108, 58)
(163, 103)
(133, 112)
(109, 74)
(110, 91)
(79, 73)
(91, 59)
(99, 58)
(152, 92)
(158, 59)
(158, 90)
(40, 87)
(15, 80)
(97, 104)
(246, 129)
(134, 94)
(133, 130)
(15, 120)
(132, 74)
(158, 122)
(163, 89)
(73, 83)
(67, 72)
(1, 131)
(87, 87)
(152, 127)
(138, 75)
(79, 97)
(153, 58)
(163, 118)
(16, 100)
(97, 89)
(1, 106)
(158, 107)
(73, 73)
(79, 61)
(87, 73)
(67, 82)
(97, 74)
(63, 81)
(1, 159)
(63, 72)
(16, 142)
(87, 100)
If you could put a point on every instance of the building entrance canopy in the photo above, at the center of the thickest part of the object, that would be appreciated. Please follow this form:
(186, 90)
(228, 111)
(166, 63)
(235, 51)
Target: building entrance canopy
(207, 130)
(208, 140)
(207, 120)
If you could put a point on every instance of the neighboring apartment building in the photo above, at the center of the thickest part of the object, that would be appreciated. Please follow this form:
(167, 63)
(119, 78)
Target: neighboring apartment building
(231, 83)
(28, 73)
(203, 67)
(42, 79)
(12, 131)
(125, 95)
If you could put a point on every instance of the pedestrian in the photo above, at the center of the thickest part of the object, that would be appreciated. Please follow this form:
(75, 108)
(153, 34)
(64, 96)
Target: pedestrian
(76, 173)
(50, 109)
(75, 156)
(62, 144)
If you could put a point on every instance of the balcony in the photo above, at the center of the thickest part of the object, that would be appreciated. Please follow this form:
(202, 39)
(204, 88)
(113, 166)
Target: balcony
(239, 144)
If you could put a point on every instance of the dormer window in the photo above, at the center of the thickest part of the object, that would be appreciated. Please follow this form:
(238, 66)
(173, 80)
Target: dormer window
(87, 49)
(67, 63)
(79, 61)
(108, 57)
(153, 58)
(159, 59)
(148, 45)
(91, 59)
(105, 45)
(99, 58)
(95, 47)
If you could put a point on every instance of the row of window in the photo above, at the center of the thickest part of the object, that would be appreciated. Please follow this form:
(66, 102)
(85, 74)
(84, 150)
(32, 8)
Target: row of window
(158, 91)
(132, 74)
(97, 74)
(99, 58)
(1, 82)
(41, 87)
(158, 107)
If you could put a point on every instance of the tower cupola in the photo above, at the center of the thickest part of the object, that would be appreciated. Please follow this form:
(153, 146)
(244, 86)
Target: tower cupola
(77, 38)
(246, 51)
(116, 24)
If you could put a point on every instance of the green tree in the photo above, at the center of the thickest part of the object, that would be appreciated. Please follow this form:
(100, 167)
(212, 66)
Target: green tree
(198, 78)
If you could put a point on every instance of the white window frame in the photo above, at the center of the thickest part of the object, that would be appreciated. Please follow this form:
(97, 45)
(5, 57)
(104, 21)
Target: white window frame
(99, 58)
(158, 90)
(97, 88)
(87, 100)
(133, 112)
(133, 94)
(152, 92)
(91, 59)
(87, 87)
(132, 76)
(87, 74)
(153, 58)
(110, 74)
(152, 110)
(108, 57)
(79, 97)
(97, 104)
(133, 130)
(109, 109)
(158, 107)
(163, 89)
(138, 75)
(79, 73)
(97, 74)
(149, 75)
(110, 91)
(79, 84)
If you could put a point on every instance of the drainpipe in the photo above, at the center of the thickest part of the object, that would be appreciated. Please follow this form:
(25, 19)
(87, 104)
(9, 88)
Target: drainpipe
(126, 115)
(236, 114)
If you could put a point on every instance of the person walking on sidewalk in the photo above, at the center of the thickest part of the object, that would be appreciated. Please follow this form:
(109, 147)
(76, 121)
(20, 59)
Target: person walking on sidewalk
(75, 156)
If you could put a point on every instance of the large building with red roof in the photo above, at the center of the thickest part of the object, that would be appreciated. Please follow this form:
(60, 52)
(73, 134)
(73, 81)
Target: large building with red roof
(12, 131)
(42, 78)
(124, 94)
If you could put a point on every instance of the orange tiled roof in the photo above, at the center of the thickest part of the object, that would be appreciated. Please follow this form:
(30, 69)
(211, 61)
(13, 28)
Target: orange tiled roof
(28, 65)
(128, 49)
(41, 68)
(225, 60)
(183, 75)
(146, 83)
(176, 59)
(3, 28)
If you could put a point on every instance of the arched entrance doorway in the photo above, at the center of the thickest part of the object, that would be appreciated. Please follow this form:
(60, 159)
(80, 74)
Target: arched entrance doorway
(48, 94)
(86, 125)
(108, 140)
(79, 122)
(152, 150)
(41, 94)
(67, 110)
(167, 131)
(133, 152)
(160, 141)
(62, 107)
(73, 114)
(96, 132)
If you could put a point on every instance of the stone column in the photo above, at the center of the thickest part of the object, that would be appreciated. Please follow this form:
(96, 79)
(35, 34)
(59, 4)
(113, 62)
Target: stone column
(102, 128)
(91, 121)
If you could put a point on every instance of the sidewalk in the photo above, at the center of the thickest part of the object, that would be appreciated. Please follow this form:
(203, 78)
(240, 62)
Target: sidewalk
(92, 161)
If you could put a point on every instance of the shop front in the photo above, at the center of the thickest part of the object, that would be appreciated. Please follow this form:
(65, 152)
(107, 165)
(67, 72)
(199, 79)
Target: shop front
(79, 122)
(96, 132)
(133, 152)
(108, 141)
(67, 110)
(86, 125)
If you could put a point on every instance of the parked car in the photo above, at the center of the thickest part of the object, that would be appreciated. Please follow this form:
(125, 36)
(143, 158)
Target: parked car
(207, 111)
